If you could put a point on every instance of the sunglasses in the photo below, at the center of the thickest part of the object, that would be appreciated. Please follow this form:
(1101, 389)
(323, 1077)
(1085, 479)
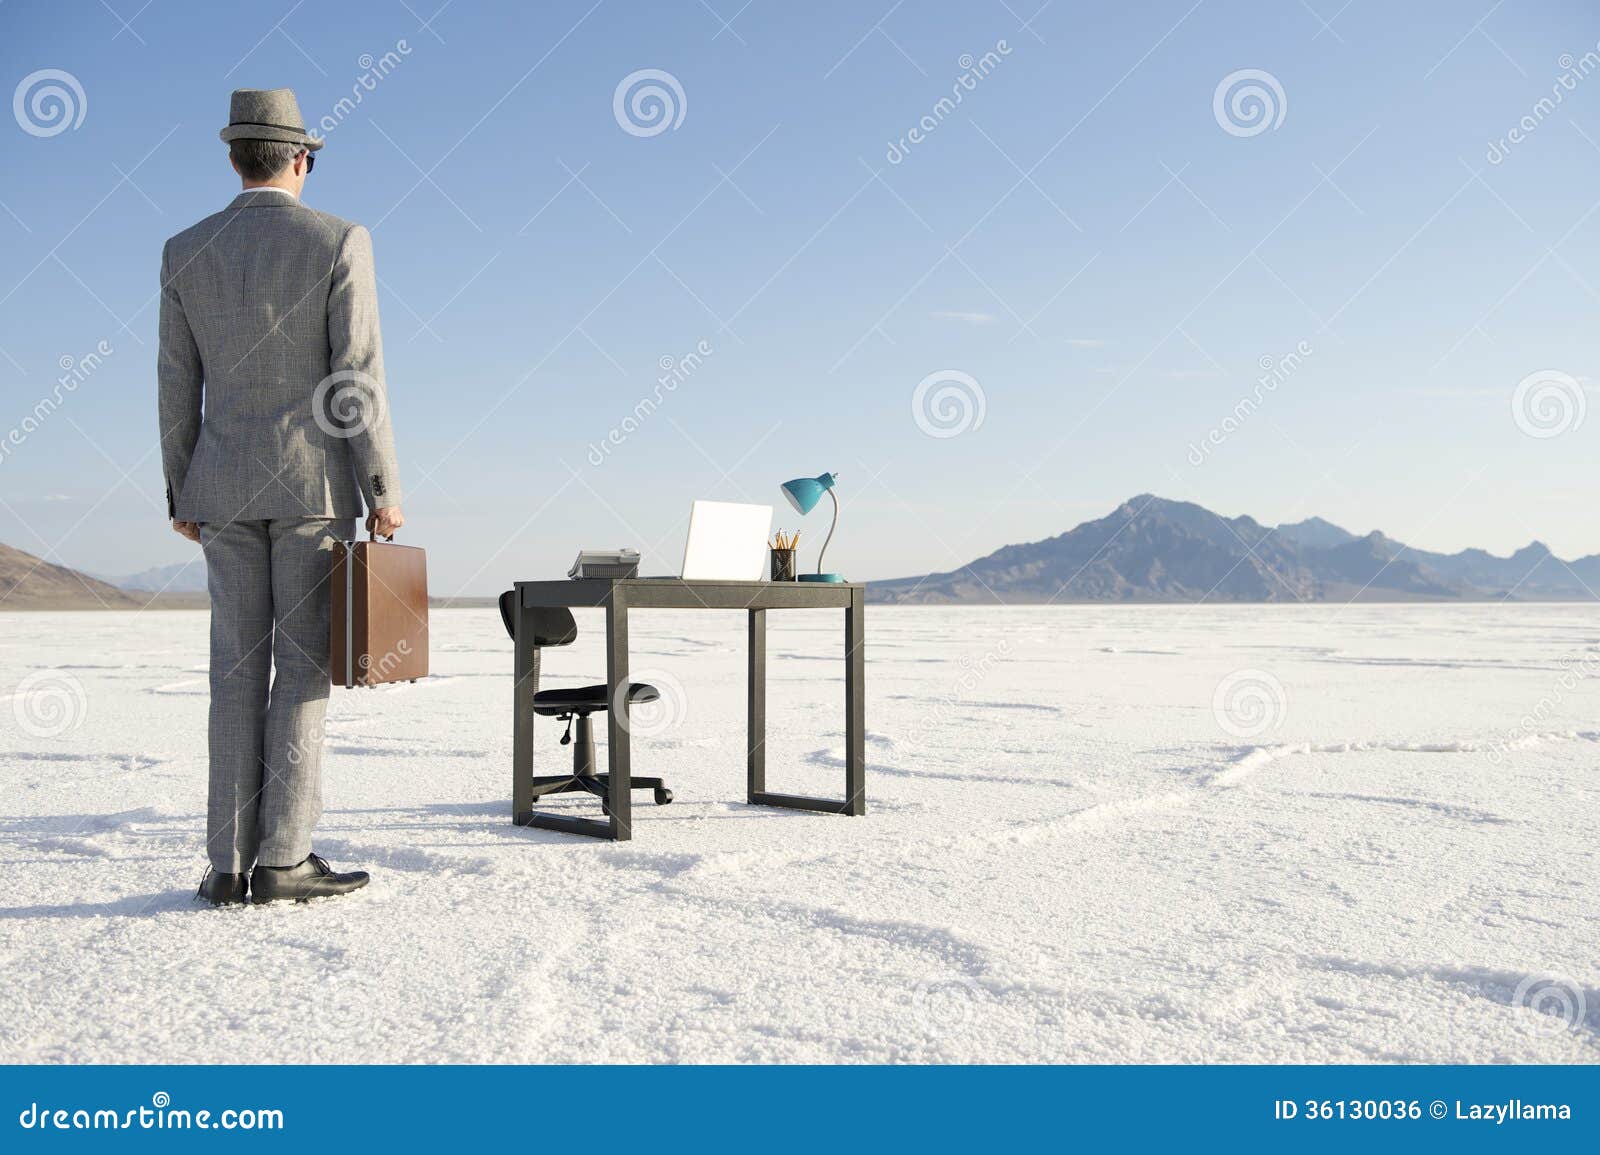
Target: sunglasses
(311, 160)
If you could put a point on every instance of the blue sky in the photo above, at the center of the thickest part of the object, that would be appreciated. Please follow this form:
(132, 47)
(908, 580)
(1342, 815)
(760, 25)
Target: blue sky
(1082, 238)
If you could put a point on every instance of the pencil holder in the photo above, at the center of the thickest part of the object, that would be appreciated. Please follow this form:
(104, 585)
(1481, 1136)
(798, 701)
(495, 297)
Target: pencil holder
(783, 565)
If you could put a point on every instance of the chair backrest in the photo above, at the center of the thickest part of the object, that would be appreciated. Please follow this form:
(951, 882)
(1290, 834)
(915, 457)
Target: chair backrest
(552, 625)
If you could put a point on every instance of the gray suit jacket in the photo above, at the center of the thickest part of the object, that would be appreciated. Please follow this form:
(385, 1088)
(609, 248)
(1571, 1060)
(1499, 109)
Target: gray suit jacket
(271, 367)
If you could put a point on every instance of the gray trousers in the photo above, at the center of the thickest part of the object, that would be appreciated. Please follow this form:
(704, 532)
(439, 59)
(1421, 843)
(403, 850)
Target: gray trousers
(269, 608)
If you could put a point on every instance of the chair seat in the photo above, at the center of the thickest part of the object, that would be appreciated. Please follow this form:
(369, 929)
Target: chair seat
(587, 698)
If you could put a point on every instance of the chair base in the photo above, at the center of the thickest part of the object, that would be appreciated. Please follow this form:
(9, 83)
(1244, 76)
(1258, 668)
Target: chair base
(584, 776)
(599, 785)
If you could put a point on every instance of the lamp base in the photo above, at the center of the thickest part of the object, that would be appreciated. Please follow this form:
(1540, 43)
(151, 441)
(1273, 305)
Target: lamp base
(821, 577)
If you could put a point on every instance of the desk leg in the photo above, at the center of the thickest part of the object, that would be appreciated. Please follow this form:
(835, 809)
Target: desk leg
(620, 783)
(525, 672)
(525, 667)
(756, 708)
(855, 719)
(855, 704)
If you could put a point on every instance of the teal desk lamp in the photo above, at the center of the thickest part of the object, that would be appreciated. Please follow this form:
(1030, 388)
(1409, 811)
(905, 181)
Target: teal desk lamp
(804, 493)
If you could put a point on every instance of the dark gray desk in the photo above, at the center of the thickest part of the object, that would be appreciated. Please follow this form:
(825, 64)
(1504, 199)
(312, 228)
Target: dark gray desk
(617, 597)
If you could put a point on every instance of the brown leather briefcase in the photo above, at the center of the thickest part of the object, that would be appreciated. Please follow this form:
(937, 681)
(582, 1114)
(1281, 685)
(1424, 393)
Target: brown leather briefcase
(379, 621)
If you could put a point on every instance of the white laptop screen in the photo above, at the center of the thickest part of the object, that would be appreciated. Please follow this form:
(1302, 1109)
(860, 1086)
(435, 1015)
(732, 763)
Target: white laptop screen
(727, 541)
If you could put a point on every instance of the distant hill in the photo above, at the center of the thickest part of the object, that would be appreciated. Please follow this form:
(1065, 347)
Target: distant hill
(185, 577)
(28, 583)
(1148, 549)
(1316, 533)
(1153, 550)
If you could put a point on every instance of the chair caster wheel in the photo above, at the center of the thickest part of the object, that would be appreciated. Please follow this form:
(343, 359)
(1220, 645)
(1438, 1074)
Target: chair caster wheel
(663, 796)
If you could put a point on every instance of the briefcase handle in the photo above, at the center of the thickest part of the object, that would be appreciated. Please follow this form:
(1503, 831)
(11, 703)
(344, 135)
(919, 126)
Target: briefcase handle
(372, 536)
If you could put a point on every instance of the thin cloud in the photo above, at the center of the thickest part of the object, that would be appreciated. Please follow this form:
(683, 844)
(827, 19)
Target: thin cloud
(1495, 392)
(965, 318)
(1085, 342)
(1457, 391)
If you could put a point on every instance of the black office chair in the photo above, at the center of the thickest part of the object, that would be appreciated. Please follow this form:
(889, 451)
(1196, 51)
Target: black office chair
(555, 626)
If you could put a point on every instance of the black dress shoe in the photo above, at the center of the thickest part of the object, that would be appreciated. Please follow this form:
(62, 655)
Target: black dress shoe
(313, 878)
(222, 889)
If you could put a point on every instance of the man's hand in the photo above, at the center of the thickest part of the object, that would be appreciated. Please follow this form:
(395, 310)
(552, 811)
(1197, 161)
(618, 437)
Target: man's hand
(385, 521)
(188, 529)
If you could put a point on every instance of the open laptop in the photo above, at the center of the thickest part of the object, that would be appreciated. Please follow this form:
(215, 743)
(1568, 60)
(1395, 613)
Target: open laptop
(727, 541)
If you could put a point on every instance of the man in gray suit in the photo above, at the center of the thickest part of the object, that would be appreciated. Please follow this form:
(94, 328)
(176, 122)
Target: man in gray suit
(274, 430)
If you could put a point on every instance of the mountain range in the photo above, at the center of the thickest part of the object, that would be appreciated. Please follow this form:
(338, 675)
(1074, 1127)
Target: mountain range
(1150, 549)
(184, 577)
(29, 583)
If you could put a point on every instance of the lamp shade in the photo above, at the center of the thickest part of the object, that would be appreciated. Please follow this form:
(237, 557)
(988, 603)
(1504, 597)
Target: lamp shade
(804, 492)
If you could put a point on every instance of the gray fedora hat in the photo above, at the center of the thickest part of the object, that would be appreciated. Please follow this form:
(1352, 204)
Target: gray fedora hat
(267, 114)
